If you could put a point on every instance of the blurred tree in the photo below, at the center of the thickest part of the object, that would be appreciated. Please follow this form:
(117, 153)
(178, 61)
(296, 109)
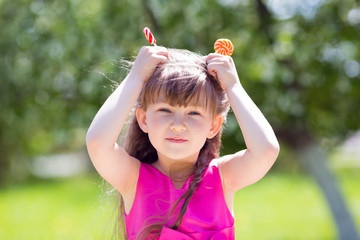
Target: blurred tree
(317, 89)
(299, 61)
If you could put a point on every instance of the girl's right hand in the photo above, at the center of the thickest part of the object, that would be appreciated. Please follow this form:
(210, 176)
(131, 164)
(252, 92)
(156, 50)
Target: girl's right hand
(147, 60)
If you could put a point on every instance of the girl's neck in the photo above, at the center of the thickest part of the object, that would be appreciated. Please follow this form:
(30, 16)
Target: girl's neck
(178, 171)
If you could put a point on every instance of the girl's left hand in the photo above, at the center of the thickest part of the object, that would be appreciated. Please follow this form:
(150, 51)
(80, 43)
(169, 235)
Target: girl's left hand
(223, 69)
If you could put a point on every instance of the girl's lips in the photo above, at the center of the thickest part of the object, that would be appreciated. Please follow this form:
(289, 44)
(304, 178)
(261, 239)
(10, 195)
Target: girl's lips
(176, 140)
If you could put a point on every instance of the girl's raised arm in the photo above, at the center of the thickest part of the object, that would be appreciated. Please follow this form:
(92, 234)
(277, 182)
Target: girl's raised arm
(247, 166)
(110, 160)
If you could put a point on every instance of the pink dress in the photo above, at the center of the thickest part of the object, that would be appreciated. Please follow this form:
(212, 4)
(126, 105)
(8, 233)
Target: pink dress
(207, 215)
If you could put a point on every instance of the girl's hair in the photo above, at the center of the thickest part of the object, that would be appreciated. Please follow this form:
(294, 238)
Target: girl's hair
(182, 80)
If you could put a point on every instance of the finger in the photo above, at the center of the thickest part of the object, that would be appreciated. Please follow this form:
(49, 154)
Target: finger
(162, 55)
(224, 61)
(214, 55)
(212, 73)
(216, 64)
(160, 49)
(212, 70)
(161, 58)
(155, 50)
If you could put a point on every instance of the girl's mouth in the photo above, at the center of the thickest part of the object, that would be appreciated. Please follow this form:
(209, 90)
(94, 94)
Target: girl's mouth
(176, 140)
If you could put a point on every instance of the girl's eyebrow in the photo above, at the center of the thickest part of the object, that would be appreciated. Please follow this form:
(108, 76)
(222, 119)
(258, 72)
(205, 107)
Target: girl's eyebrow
(197, 107)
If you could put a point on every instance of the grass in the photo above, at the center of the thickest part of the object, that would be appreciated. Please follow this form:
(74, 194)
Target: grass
(47, 210)
(281, 206)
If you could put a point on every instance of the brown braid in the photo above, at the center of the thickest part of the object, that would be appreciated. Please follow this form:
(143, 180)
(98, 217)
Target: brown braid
(207, 153)
(202, 163)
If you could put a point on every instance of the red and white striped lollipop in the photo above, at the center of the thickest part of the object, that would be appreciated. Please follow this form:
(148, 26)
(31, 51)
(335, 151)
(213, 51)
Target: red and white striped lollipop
(149, 36)
(224, 46)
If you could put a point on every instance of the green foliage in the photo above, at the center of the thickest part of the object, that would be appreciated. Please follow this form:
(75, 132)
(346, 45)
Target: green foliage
(57, 57)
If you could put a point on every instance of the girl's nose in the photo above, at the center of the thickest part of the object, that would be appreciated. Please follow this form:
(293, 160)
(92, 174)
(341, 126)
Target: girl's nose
(177, 124)
(177, 128)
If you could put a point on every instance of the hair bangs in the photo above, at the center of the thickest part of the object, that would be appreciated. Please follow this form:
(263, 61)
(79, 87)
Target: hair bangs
(180, 88)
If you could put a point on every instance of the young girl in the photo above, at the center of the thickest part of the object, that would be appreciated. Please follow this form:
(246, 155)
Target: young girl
(171, 179)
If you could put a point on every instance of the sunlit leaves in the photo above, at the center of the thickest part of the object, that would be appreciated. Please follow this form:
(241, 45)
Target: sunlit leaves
(59, 58)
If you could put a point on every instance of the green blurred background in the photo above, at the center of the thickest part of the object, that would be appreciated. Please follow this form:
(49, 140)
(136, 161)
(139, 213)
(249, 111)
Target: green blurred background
(298, 60)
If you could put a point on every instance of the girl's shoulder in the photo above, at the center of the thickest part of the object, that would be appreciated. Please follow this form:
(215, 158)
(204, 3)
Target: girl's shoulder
(214, 166)
(212, 172)
(214, 163)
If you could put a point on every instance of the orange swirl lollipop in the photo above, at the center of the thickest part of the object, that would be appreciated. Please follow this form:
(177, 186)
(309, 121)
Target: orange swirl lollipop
(224, 46)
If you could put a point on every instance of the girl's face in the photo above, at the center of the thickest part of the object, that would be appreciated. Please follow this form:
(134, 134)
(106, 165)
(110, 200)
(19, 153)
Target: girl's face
(178, 133)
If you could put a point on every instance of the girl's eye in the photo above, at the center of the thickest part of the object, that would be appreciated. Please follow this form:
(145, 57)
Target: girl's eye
(164, 110)
(194, 113)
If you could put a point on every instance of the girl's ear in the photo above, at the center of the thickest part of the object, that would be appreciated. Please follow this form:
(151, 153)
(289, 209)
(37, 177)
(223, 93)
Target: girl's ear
(141, 119)
(215, 126)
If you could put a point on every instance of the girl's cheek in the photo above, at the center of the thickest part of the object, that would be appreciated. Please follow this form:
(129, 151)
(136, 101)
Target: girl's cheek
(161, 121)
(198, 123)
